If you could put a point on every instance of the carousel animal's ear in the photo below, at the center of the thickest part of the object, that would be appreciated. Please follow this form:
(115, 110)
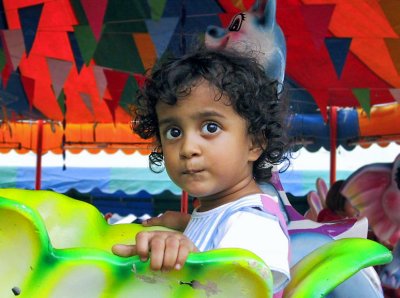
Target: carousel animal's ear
(374, 191)
(255, 6)
(322, 189)
(396, 172)
(265, 10)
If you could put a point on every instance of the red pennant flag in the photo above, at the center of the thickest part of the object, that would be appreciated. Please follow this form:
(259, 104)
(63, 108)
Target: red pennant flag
(317, 19)
(29, 88)
(116, 82)
(95, 11)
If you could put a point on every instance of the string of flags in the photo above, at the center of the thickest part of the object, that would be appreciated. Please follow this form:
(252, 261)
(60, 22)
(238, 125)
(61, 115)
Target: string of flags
(83, 60)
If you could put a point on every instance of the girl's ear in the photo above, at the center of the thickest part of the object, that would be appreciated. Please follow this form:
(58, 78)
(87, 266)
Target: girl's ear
(255, 153)
(255, 149)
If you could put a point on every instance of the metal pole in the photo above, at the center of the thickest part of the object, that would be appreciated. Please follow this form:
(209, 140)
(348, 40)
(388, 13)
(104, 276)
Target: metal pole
(39, 149)
(184, 202)
(333, 142)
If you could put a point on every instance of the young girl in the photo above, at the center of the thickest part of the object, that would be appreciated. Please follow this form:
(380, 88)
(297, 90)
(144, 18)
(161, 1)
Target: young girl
(219, 126)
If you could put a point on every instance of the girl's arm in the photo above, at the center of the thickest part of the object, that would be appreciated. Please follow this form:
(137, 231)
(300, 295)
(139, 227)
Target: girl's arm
(170, 219)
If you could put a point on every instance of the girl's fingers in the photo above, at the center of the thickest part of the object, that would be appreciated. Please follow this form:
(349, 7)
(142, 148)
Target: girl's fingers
(157, 247)
(168, 250)
(172, 246)
(123, 250)
(185, 248)
(143, 245)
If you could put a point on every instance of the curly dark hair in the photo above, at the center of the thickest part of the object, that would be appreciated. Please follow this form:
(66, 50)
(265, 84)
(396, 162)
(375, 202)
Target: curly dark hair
(239, 77)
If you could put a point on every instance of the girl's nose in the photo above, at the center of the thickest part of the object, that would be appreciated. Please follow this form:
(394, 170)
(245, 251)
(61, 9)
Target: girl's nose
(190, 147)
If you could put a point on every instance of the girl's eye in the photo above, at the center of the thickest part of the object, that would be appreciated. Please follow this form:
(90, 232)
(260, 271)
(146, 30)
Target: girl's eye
(173, 133)
(210, 128)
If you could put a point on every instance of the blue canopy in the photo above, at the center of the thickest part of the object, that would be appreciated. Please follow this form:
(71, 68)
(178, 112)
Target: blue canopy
(88, 180)
(116, 182)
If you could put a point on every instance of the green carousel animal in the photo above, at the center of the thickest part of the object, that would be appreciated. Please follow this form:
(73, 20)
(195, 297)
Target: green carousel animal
(54, 246)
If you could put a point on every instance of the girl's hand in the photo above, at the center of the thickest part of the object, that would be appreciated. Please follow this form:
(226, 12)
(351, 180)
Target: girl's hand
(166, 250)
(170, 219)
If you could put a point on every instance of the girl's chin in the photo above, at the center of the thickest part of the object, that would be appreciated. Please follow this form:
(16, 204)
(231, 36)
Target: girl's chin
(197, 193)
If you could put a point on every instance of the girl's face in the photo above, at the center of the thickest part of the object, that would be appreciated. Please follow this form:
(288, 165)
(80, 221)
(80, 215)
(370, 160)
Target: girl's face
(207, 150)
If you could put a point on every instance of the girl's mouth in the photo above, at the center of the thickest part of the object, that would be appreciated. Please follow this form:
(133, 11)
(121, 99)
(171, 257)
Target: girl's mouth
(192, 171)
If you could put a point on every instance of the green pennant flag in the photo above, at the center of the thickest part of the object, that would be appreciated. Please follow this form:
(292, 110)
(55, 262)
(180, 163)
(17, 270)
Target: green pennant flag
(363, 96)
(86, 41)
(157, 9)
(79, 12)
(3, 60)
(128, 97)
(118, 51)
(61, 101)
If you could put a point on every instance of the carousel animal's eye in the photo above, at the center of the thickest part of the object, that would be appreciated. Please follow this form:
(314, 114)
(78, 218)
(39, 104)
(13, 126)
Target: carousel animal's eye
(237, 22)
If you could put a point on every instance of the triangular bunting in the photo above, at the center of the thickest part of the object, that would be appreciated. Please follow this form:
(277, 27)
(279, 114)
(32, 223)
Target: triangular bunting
(395, 93)
(157, 8)
(364, 98)
(146, 49)
(317, 19)
(61, 102)
(79, 12)
(107, 95)
(14, 46)
(338, 49)
(95, 11)
(116, 82)
(161, 33)
(87, 101)
(7, 98)
(3, 60)
(393, 45)
(76, 51)
(112, 106)
(140, 79)
(15, 97)
(86, 41)
(129, 94)
(100, 78)
(118, 50)
(3, 20)
(6, 73)
(391, 9)
(29, 88)
(59, 71)
(29, 18)
(321, 97)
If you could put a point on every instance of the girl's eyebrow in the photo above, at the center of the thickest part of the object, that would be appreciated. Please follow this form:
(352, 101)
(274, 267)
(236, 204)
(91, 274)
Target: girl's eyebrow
(210, 113)
(195, 116)
(167, 121)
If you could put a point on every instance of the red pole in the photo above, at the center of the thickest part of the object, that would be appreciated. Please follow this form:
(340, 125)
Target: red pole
(39, 147)
(333, 142)
(184, 202)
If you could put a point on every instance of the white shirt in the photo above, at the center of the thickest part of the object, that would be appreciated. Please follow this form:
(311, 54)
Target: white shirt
(240, 224)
